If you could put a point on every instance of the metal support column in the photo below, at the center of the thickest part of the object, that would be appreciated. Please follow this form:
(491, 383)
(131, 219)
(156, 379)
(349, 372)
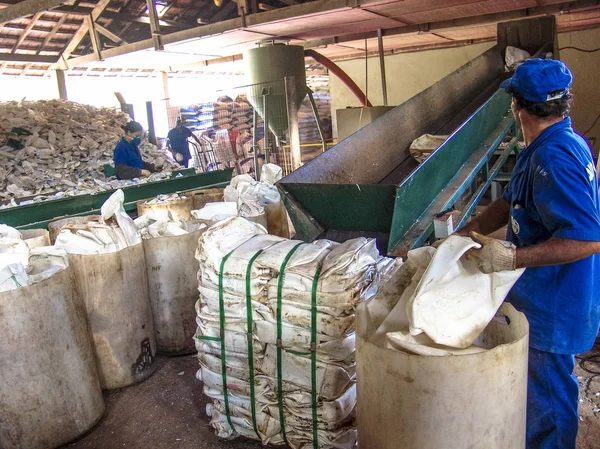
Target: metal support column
(255, 148)
(151, 132)
(317, 119)
(62, 84)
(292, 113)
(382, 66)
(266, 126)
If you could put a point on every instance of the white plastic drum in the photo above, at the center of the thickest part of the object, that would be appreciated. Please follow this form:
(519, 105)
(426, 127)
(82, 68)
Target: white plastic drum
(114, 288)
(49, 388)
(173, 285)
(475, 401)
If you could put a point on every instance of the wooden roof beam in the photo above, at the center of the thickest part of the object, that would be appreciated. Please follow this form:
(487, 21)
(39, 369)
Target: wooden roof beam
(27, 8)
(26, 31)
(80, 34)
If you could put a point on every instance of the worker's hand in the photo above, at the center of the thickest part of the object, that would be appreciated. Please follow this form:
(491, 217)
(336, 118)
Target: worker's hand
(146, 173)
(493, 256)
(178, 157)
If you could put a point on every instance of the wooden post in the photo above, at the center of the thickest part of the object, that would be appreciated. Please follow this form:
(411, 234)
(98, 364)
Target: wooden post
(62, 84)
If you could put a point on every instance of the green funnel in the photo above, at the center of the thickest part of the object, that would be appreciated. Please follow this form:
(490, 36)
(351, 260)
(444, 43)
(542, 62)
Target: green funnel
(266, 68)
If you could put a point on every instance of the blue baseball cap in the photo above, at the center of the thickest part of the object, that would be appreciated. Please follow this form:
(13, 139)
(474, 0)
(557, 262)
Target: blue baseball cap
(540, 80)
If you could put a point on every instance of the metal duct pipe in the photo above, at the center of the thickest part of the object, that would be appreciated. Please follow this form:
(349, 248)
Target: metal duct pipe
(343, 76)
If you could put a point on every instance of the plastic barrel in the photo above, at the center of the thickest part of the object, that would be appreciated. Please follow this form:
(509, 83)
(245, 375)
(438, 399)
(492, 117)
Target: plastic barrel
(173, 285)
(114, 288)
(49, 388)
(475, 401)
(35, 238)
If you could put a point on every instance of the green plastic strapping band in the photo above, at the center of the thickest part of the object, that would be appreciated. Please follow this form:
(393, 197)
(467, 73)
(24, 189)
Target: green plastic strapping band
(249, 334)
(207, 338)
(313, 356)
(279, 343)
(222, 333)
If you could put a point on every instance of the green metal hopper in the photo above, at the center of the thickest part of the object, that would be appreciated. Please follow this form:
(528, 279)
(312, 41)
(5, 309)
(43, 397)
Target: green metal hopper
(369, 185)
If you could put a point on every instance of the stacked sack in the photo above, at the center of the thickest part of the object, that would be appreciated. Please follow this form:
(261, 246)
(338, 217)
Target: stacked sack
(277, 315)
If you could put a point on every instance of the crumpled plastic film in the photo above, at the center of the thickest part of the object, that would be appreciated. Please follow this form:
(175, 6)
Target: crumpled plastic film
(248, 356)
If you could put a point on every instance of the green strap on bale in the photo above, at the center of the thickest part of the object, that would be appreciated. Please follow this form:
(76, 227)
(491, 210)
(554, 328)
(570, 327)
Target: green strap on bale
(222, 335)
(249, 335)
(279, 340)
(313, 355)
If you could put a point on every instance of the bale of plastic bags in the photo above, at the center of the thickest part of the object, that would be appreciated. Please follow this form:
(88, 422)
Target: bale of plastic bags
(276, 333)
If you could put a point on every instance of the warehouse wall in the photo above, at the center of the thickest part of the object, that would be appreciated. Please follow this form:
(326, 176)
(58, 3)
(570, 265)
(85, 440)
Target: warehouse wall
(407, 75)
(585, 67)
(410, 73)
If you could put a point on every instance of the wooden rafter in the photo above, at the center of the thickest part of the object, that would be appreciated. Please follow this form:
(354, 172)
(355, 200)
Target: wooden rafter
(52, 33)
(26, 31)
(27, 8)
(80, 34)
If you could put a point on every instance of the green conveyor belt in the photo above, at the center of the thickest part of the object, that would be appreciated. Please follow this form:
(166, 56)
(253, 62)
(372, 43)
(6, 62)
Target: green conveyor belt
(38, 215)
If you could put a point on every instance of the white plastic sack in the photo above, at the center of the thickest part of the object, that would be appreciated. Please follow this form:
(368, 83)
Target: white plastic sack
(514, 57)
(454, 301)
(422, 147)
(113, 206)
(13, 251)
(211, 211)
(271, 173)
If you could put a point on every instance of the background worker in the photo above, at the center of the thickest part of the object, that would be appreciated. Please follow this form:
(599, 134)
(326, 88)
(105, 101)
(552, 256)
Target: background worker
(553, 215)
(178, 144)
(127, 157)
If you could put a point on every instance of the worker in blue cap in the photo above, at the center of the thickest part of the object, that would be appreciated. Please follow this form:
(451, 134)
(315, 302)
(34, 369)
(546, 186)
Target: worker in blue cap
(178, 144)
(553, 213)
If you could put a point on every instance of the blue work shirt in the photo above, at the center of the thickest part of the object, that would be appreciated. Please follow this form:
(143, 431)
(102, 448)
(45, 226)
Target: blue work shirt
(553, 192)
(179, 140)
(128, 154)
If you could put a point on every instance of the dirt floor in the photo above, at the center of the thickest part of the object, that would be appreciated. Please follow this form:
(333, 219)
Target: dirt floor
(589, 399)
(167, 411)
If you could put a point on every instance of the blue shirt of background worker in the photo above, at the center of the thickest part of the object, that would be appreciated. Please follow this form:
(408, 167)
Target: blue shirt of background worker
(553, 215)
(178, 142)
(127, 157)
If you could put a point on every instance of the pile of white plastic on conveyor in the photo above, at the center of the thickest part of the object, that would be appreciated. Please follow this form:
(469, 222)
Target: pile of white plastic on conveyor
(277, 316)
(21, 266)
(114, 231)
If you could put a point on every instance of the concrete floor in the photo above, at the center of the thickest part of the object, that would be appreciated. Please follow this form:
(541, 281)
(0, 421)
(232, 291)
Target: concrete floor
(167, 412)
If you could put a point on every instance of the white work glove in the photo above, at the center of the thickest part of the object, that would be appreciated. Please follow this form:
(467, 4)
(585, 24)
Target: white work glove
(493, 256)
(178, 157)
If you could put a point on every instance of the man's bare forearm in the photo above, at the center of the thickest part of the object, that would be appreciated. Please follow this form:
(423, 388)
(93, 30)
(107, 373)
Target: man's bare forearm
(556, 251)
(490, 220)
